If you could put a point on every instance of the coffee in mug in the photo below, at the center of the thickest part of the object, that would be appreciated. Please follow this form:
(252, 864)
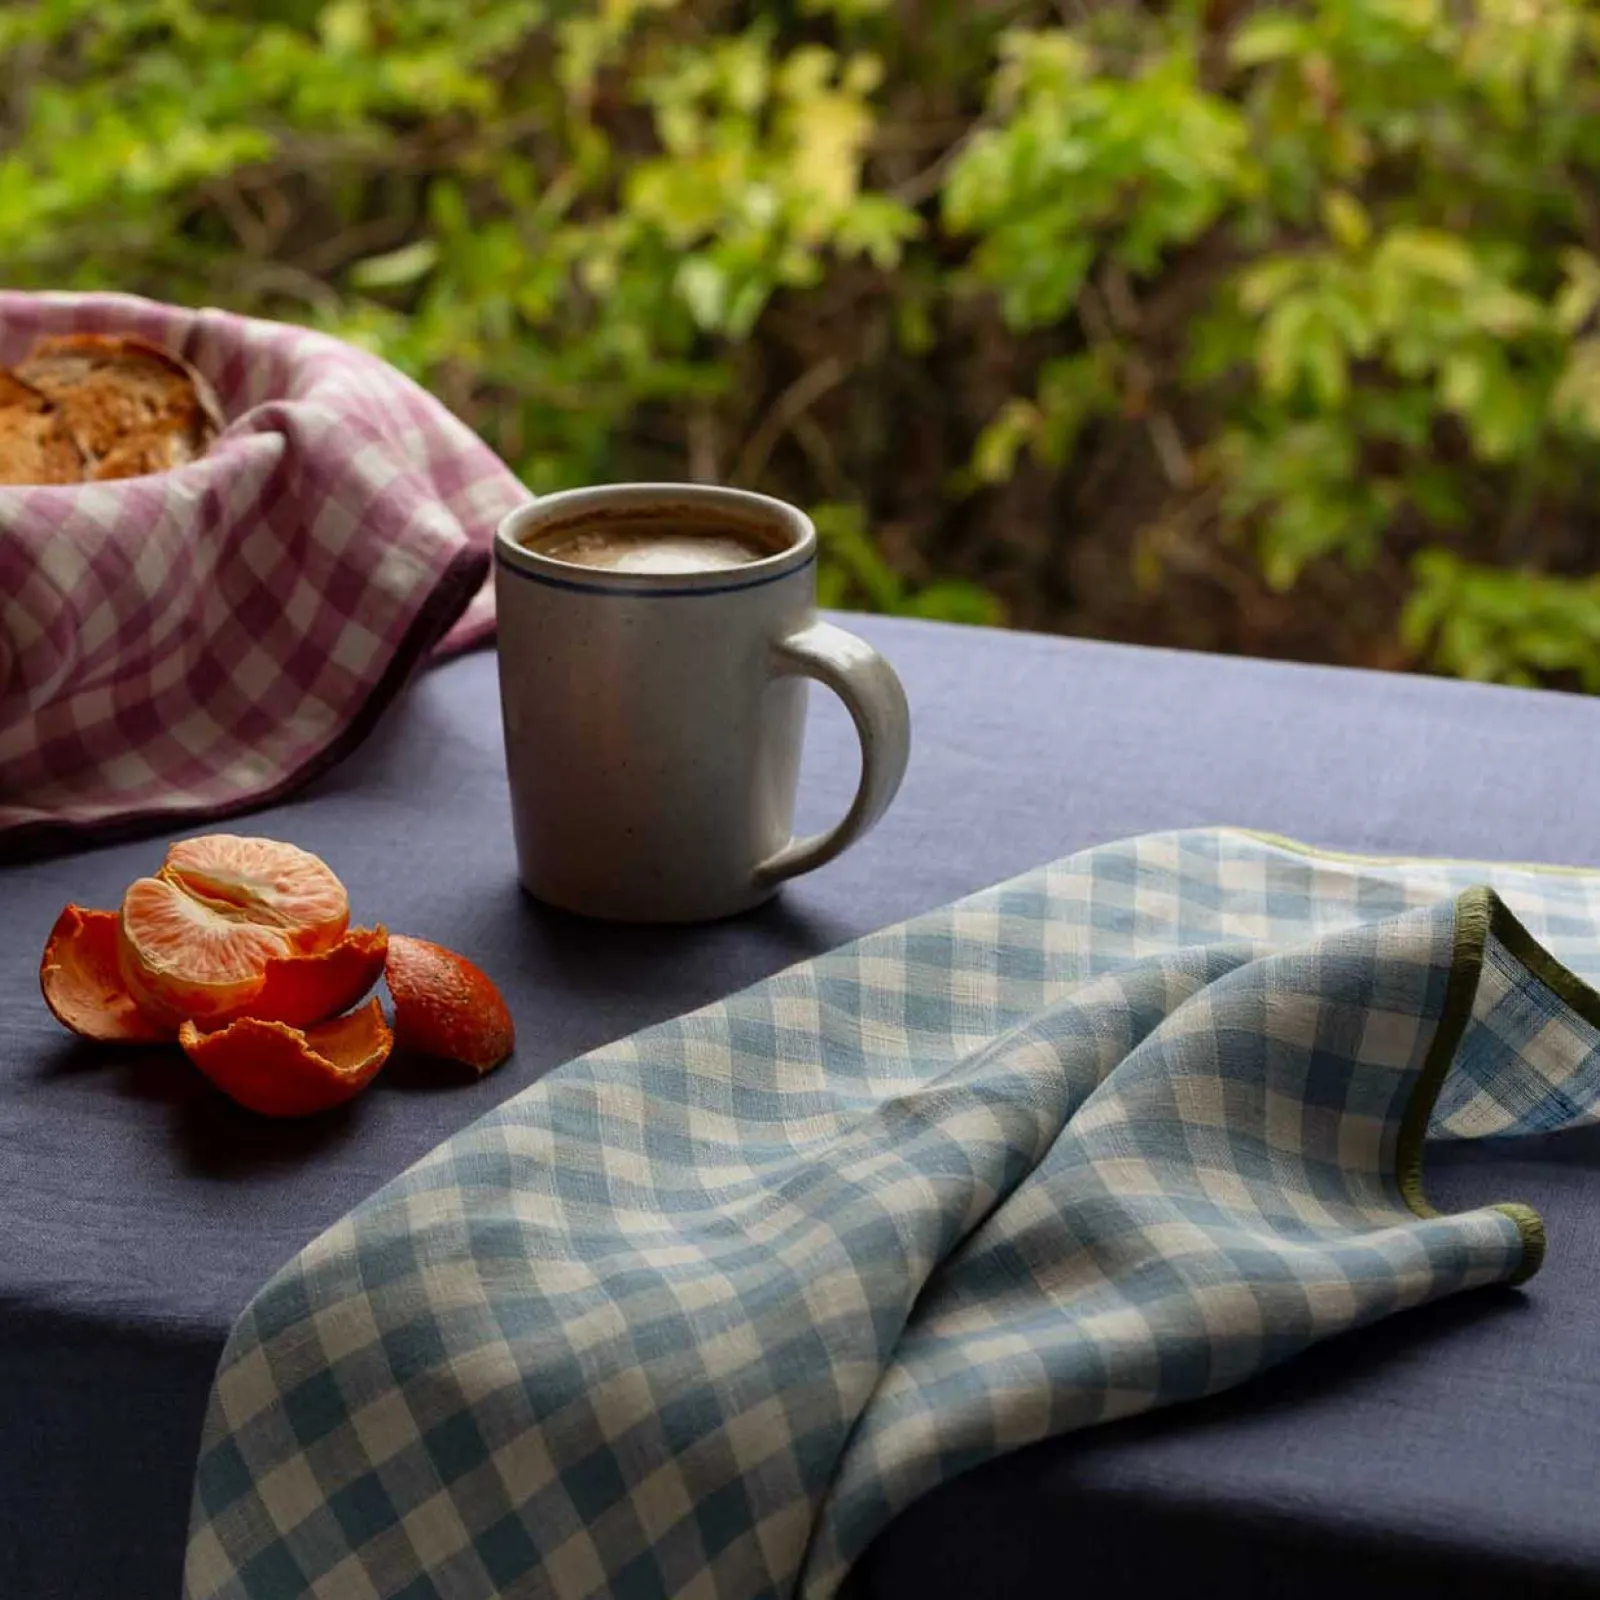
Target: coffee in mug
(653, 544)
(655, 645)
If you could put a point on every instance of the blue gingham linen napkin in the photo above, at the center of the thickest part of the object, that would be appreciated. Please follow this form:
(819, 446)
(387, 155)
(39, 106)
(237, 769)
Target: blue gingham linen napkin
(700, 1312)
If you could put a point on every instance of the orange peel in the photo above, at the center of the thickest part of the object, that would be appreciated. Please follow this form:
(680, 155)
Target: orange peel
(281, 1071)
(445, 1006)
(82, 985)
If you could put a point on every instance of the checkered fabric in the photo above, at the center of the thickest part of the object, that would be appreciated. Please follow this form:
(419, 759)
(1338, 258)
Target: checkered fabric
(700, 1312)
(195, 642)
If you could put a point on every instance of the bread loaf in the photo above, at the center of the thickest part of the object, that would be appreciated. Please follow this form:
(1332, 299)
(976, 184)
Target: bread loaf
(92, 406)
(35, 444)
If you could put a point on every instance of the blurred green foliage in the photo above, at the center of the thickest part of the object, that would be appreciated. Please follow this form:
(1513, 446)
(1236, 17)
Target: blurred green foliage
(1269, 292)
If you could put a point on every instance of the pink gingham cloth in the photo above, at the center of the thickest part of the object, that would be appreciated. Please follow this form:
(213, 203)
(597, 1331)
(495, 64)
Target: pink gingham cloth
(197, 642)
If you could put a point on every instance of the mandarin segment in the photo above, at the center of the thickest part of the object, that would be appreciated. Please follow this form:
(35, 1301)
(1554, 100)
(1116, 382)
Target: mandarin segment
(197, 939)
(185, 958)
(445, 1006)
(280, 1071)
(83, 986)
(263, 881)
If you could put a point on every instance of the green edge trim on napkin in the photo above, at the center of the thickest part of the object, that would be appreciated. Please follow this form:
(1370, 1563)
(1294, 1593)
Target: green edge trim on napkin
(1480, 913)
(1358, 858)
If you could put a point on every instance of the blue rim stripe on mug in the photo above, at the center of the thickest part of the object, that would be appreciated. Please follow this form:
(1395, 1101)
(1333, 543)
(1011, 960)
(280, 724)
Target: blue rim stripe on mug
(637, 590)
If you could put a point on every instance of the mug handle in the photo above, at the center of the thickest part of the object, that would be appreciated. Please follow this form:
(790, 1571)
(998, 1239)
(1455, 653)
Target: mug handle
(877, 704)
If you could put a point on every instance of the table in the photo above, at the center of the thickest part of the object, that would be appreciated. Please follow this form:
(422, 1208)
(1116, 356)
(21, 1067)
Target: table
(1456, 1448)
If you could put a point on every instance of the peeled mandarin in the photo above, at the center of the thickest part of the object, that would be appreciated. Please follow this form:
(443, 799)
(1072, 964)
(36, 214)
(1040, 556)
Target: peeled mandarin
(195, 941)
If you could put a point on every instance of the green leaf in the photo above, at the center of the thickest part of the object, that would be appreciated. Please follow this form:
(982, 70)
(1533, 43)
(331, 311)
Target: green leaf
(346, 27)
(844, 10)
(1270, 36)
(1429, 253)
(1322, 361)
(1579, 296)
(843, 537)
(833, 585)
(1463, 380)
(1510, 626)
(1279, 349)
(396, 267)
(914, 326)
(1263, 285)
(1437, 492)
(877, 227)
(704, 288)
(994, 456)
(955, 602)
(447, 208)
(1346, 220)
(1502, 311)
(746, 306)
(1575, 400)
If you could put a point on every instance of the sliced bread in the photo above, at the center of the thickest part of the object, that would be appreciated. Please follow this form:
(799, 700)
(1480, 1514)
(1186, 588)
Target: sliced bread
(36, 446)
(131, 406)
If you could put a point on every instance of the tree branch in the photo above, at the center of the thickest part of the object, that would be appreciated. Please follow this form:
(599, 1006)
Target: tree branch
(792, 404)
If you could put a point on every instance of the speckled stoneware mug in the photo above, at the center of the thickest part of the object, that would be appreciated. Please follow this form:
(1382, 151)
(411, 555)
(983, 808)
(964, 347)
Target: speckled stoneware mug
(653, 719)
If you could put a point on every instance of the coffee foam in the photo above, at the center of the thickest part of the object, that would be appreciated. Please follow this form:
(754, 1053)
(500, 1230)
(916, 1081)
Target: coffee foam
(659, 552)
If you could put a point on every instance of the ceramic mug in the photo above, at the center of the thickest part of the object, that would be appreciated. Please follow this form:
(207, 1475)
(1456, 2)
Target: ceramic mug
(653, 721)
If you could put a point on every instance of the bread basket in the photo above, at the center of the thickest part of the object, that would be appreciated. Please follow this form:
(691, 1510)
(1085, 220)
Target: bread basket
(195, 641)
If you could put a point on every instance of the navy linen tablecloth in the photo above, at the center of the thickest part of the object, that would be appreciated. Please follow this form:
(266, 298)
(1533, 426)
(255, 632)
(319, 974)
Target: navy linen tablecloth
(1456, 1448)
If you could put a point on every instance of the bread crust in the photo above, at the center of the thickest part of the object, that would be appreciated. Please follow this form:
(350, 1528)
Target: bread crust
(36, 446)
(86, 407)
